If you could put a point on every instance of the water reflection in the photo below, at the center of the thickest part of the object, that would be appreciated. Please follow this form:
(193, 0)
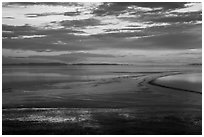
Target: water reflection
(183, 81)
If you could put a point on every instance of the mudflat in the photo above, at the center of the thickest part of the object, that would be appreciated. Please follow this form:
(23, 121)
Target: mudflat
(98, 100)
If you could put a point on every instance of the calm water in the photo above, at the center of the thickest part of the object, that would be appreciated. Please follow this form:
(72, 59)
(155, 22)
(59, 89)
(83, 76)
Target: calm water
(16, 76)
(184, 81)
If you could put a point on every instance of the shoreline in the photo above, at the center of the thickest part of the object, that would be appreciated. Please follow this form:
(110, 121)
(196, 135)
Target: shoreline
(154, 83)
(142, 83)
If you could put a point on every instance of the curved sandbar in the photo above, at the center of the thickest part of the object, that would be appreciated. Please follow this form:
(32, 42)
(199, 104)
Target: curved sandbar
(191, 82)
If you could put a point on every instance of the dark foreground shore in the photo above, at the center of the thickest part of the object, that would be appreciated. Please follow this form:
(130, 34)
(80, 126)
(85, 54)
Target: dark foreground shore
(102, 121)
(127, 104)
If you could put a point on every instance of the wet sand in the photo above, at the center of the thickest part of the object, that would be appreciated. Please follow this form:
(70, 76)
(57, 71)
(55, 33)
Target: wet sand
(124, 104)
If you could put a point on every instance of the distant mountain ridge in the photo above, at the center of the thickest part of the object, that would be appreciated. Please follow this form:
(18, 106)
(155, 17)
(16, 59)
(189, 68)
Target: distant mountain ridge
(75, 64)
(98, 64)
(35, 64)
(60, 64)
(195, 64)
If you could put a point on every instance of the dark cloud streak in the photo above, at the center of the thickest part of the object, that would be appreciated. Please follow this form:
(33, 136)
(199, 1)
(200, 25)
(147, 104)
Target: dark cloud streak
(121, 7)
(80, 23)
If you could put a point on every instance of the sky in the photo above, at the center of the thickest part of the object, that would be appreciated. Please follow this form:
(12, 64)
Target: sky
(133, 32)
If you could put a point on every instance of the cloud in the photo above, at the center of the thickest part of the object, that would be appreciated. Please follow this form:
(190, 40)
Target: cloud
(41, 14)
(176, 37)
(72, 13)
(120, 35)
(164, 5)
(17, 30)
(28, 53)
(43, 43)
(9, 31)
(34, 15)
(28, 36)
(59, 42)
(164, 17)
(190, 7)
(173, 41)
(8, 17)
(124, 37)
(179, 17)
(6, 4)
(120, 7)
(80, 23)
(98, 31)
